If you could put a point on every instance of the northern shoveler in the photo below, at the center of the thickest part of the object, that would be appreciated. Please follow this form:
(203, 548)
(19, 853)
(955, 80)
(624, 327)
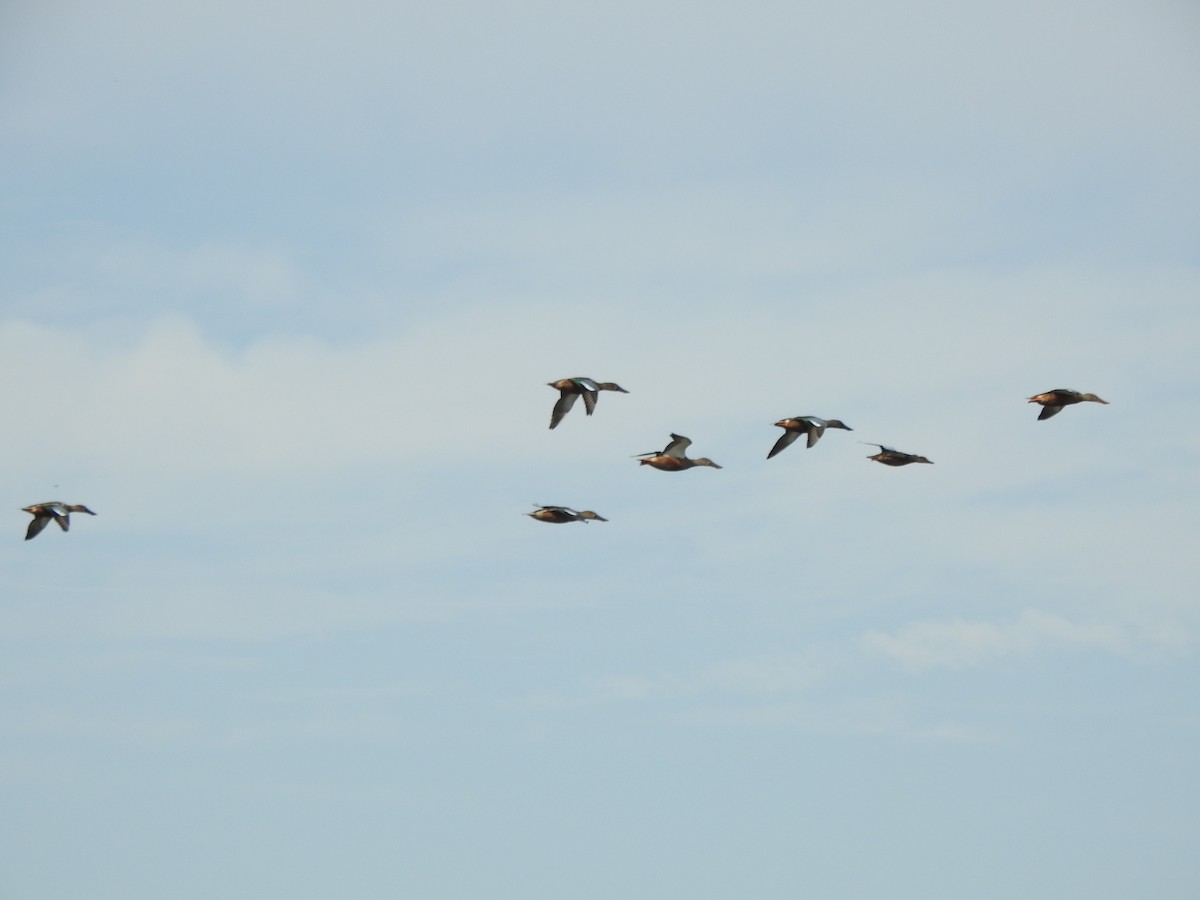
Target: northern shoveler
(672, 459)
(798, 425)
(890, 457)
(562, 514)
(55, 510)
(571, 388)
(1053, 401)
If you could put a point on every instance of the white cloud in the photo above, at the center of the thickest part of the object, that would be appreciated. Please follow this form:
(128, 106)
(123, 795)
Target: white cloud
(763, 675)
(827, 718)
(959, 644)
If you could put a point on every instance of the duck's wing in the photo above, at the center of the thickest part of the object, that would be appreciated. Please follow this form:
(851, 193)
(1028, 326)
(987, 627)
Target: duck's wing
(1048, 411)
(565, 401)
(589, 401)
(678, 446)
(785, 440)
(64, 521)
(814, 433)
(35, 527)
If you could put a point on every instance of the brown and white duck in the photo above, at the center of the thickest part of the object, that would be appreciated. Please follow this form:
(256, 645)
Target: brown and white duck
(798, 425)
(44, 513)
(560, 515)
(672, 459)
(570, 389)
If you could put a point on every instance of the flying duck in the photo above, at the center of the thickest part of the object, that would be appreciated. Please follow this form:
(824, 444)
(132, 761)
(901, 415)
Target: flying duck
(55, 510)
(562, 514)
(798, 425)
(1053, 401)
(571, 388)
(672, 459)
(890, 457)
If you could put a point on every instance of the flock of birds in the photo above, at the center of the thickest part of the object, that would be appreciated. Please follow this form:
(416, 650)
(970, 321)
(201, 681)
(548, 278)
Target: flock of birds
(674, 458)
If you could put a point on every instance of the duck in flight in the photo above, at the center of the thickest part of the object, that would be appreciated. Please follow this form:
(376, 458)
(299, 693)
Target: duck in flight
(672, 458)
(55, 510)
(570, 389)
(1053, 401)
(561, 514)
(890, 457)
(798, 425)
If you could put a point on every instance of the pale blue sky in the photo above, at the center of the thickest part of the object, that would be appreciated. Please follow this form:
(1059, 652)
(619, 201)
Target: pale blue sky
(283, 288)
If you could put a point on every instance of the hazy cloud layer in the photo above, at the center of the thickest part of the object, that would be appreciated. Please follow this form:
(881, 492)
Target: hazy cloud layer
(283, 290)
(961, 644)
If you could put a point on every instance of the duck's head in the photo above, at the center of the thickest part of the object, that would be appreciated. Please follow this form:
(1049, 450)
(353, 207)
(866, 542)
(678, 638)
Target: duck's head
(585, 514)
(838, 423)
(705, 461)
(1093, 398)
